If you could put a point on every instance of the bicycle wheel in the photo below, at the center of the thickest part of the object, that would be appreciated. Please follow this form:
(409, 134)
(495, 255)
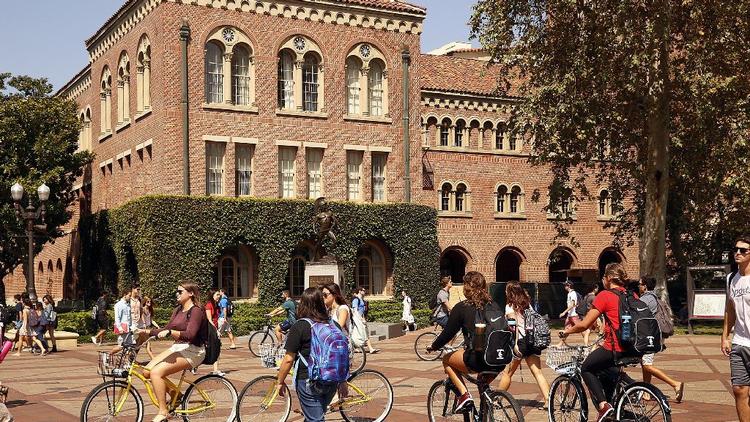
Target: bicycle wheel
(502, 407)
(112, 400)
(441, 400)
(370, 397)
(420, 347)
(357, 359)
(258, 403)
(258, 338)
(642, 402)
(567, 400)
(210, 398)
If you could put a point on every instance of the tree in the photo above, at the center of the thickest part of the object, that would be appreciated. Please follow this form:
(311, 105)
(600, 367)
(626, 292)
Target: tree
(645, 97)
(38, 143)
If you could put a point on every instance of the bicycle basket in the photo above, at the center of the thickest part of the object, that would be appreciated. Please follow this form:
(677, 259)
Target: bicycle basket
(116, 365)
(561, 358)
(271, 355)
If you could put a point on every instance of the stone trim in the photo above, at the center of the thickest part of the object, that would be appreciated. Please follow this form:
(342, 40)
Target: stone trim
(444, 100)
(241, 140)
(350, 147)
(374, 148)
(77, 85)
(321, 145)
(283, 143)
(216, 138)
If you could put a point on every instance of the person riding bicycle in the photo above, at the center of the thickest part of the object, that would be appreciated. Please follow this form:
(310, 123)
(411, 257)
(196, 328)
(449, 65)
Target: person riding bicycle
(188, 326)
(462, 318)
(600, 368)
(289, 306)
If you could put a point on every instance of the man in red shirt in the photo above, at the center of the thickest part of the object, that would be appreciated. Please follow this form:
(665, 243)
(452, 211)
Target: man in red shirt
(600, 363)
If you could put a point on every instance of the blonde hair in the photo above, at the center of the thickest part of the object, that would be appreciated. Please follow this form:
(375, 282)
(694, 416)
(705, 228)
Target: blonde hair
(616, 273)
(475, 289)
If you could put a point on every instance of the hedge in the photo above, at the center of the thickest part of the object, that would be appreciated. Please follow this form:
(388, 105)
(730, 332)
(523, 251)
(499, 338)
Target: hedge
(161, 240)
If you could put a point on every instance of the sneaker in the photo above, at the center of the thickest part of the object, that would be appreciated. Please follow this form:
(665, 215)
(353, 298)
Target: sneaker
(463, 402)
(219, 373)
(93, 340)
(605, 412)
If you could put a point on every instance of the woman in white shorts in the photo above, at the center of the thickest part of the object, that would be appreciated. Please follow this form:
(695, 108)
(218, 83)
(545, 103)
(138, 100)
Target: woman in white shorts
(188, 327)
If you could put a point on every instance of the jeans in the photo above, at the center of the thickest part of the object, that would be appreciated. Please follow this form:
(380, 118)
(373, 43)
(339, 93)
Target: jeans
(599, 373)
(40, 336)
(442, 321)
(314, 399)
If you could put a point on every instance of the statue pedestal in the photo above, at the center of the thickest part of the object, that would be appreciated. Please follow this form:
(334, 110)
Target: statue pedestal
(326, 270)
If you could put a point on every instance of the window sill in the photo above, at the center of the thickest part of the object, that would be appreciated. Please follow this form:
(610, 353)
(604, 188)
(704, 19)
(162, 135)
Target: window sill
(561, 218)
(607, 218)
(455, 214)
(104, 136)
(294, 113)
(230, 107)
(122, 126)
(142, 114)
(367, 119)
(510, 216)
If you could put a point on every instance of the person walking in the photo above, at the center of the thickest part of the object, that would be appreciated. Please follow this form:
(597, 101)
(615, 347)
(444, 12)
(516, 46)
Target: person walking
(518, 301)
(212, 315)
(148, 320)
(51, 316)
(136, 308)
(443, 306)
(338, 310)
(359, 314)
(646, 291)
(737, 317)
(188, 327)
(289, 307)
(314, 398)
(39, 325)
(570, 314)
(406, 317)
(123, 321)
(102, 321)
(26, 332)
(225, 318)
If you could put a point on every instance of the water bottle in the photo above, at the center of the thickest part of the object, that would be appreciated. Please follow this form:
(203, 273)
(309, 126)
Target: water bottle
(625, 328)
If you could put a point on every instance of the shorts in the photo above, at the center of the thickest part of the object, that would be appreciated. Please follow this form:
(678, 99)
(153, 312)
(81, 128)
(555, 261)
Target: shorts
(475, 362)
(442, 321)
(647, 359)
(571, 321)
(285, 325)
(739, 364)
(125, 339)
(527, 349)
(224, 326)
(101, 322)
(192, 353)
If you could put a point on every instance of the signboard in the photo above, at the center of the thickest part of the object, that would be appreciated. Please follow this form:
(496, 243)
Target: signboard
(706, 289)
(708, 305)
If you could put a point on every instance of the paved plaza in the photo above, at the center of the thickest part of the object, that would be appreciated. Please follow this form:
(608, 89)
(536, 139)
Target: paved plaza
(53, 387)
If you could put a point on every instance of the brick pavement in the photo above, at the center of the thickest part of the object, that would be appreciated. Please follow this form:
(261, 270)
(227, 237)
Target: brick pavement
(53, 388)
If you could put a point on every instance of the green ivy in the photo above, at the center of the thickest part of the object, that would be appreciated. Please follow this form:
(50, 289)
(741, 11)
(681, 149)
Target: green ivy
(162, 240)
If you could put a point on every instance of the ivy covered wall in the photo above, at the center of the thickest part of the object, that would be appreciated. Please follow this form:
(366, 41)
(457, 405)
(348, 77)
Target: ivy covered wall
(161, 240)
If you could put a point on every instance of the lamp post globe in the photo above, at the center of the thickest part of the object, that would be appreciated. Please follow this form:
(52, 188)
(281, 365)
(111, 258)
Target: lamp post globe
(16, 192)
(43, 192)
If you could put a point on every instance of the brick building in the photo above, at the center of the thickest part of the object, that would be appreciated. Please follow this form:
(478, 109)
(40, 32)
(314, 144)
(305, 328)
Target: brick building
(308, 98)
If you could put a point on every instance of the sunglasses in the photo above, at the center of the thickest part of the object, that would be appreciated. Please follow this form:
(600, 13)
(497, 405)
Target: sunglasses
(741, 250)
(326, 294)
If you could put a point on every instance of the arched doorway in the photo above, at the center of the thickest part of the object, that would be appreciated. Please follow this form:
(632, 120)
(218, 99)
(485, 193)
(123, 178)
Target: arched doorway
(560, 261)
(236, 271)
(608, 256)
(453, 264)
(508, 266)
(370, 271)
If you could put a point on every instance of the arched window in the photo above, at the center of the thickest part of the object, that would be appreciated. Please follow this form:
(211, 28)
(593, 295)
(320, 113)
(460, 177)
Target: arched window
(460, 197)
(375, 86)
(123, 90)
(445, 132)
(143, 76)
(515, 196)
(296, 276)
(445, 196)
(82, 132)
(458, 137)
(236, 272)
(502, 192)
(310, 82)
(286, 80)
(87, 129)
(604, 203)
(370, 269)
(214, 73)
(500, 136)
(241, 75)
(353, 74)
(105, 104)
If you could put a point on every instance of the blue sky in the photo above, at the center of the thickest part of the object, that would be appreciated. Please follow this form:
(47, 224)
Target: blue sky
(45, 37)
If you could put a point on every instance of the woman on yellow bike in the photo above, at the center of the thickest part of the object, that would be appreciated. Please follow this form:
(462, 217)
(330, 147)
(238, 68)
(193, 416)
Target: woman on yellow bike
(462, 317)
(188, 327)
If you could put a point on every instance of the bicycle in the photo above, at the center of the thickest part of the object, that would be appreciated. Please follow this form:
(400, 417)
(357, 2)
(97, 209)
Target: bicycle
(633, 401)
(208, 397)
(266, 335)
(370, 398)
(424, 340)
(495, 405)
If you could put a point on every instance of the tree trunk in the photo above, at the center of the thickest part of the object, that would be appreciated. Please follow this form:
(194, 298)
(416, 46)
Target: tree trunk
(653, 245)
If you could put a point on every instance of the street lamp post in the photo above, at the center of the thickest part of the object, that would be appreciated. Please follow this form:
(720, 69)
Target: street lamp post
(29, 215)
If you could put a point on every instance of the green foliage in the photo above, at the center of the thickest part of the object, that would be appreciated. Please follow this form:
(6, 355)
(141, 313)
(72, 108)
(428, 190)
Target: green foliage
(38, 142)
(162, 240)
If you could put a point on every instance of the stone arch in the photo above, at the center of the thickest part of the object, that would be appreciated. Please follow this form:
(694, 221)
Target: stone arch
(508, 264)
(607, 256)
(453, 263)
(560, 260)
(373, 268)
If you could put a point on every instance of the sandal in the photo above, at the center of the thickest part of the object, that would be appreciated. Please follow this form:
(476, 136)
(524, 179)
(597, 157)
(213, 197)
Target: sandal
(679, 391)
(160, 418)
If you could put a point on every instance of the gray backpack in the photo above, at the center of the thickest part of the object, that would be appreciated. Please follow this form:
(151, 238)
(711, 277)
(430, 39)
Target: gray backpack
(537, 329)
(663, 317)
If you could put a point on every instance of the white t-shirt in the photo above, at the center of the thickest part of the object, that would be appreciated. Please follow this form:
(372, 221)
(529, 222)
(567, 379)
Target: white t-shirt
(572, 297)
(348, 326)
(738, 289)
(520, 320)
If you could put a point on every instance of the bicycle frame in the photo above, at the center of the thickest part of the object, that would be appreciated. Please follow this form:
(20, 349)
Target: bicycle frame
(350, 401)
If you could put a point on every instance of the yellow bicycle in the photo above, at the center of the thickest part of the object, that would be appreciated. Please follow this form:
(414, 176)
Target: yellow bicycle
(209, 398)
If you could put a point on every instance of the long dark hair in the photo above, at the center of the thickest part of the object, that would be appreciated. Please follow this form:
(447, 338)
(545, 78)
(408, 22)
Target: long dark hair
(517, 297)
(311, 305)
(475, 289)
(150, 306)
(192, 288)
(336, 292)
(49, 300)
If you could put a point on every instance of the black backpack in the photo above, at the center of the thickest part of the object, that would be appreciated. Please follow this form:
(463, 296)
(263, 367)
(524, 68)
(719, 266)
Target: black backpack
(581, 307)
(644, 336)
(498, 346)
(230, 308)
(213, 344)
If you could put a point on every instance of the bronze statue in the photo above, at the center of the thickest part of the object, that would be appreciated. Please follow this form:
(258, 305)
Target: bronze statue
(324, 222)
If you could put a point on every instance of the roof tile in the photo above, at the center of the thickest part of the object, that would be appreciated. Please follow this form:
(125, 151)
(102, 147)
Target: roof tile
(468, 76)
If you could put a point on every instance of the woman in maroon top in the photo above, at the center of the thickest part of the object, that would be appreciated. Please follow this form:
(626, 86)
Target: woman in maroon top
(600, 364)
(188, 327)
(212, 315)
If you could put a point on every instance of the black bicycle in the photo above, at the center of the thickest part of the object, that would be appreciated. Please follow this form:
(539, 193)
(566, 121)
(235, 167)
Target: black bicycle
(494, 405)
(632, 401)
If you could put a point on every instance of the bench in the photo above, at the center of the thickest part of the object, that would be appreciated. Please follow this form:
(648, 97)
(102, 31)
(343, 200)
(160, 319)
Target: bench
(65, 339)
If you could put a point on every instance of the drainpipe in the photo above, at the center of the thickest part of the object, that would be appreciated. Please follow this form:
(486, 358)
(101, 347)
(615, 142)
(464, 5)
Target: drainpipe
(405, 62)
(184, 38)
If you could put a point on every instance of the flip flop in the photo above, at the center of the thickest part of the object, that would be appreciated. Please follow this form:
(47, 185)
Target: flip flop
(680, 392)
(374, 351)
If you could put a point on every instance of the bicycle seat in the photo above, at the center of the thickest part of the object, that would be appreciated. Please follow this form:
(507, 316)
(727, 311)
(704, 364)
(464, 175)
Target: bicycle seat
(627, 361)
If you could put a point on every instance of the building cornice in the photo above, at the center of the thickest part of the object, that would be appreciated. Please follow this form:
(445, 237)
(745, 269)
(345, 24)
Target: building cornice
(79, 83)
(467, 101)
(134, 11)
